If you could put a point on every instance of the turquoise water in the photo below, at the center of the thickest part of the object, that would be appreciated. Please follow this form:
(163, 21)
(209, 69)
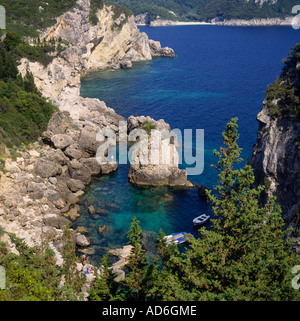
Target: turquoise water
(220, 72)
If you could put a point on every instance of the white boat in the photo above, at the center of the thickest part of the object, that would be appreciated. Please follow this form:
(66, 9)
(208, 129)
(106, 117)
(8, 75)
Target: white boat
(203, 218)
(177, 238)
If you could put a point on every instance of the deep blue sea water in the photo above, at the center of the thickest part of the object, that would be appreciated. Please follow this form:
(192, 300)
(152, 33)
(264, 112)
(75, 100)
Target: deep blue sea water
(219, 73)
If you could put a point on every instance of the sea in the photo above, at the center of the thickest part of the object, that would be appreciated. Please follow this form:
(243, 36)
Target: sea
(219, 72)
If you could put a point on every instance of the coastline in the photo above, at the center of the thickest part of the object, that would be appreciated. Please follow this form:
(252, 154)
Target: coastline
(40, 190)
(257, 22)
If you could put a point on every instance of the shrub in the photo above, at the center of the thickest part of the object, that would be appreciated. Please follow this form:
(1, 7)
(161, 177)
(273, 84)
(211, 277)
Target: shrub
(147, 126)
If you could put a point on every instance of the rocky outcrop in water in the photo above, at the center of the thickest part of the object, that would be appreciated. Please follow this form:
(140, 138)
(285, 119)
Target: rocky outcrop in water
(155, 160)
(276, 154)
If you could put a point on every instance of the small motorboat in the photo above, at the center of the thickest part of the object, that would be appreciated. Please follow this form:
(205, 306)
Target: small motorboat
(177, 238)
(200, 220)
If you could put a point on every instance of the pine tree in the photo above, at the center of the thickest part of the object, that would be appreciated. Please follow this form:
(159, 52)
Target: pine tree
(28, 82)
(167, 273)
(245, 255)
(135, 280)
(104, 288)
(73, 280)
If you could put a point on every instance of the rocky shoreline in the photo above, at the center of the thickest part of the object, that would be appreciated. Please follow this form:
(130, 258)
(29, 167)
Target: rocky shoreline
(41, 188)
(142, 21)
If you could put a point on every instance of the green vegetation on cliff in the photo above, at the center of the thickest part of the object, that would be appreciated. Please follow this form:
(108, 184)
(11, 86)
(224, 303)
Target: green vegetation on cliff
(26, 17)
(24, 113)
(33, 275)
(283, 95)
(29, 18)
(204, 10)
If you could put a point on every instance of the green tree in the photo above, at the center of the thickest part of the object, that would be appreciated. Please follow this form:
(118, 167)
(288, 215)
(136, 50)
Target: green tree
(73, 279)
(11, 40)
(104, 288)
(8, 65)
(135, 280)
(28, 82)
(165, 280)
(31, 275)
(244, 256)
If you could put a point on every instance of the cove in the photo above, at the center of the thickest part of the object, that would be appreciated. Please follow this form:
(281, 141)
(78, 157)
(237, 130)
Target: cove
(220, 72)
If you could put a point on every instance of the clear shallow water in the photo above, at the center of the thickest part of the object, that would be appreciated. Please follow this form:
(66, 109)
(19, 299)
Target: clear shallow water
(220, 72)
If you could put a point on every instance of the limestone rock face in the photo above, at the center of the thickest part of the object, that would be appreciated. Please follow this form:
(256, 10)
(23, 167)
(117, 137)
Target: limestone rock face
(276, 162)
(154, 159)
(87, 140)
(276, 154)
(111, 43)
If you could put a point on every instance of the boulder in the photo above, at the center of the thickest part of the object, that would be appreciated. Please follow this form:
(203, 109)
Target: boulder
(156, 163)
(81, 240)
(73, 213)
(91, 209)
(58, 124)
(80, 172)
(160, 175)
(53, 180)
(55, 221)
(126, 64)
(102, 229)
(61, 141)
(87, 140)
(158, 51)
(92, 164)
(73, 151)
(55, 198)
(57, 156)
(12, 167)
(81, 230)
(109, 167)
(75, 185)
(45, 168)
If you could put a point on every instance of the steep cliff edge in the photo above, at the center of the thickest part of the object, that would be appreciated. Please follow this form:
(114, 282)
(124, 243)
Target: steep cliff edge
(114, 41)
(276, 154)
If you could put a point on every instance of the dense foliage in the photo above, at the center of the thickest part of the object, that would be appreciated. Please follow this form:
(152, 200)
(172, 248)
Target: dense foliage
(33, 275)
(283, 96)
(26, 17)
(24, 113)
(205, 10)
(29, 18)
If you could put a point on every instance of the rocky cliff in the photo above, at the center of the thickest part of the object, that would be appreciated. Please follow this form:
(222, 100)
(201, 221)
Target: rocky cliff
(40, 190)
(276, 154)
(111, 43)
